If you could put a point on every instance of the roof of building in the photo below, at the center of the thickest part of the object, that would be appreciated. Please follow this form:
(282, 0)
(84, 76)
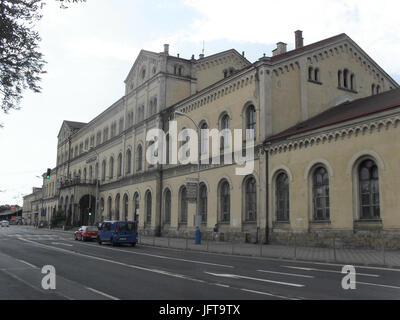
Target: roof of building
(75, 124)
(343, 112)
(308, 47)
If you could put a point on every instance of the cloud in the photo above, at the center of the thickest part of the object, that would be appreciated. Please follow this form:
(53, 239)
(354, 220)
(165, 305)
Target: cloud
(373, 26)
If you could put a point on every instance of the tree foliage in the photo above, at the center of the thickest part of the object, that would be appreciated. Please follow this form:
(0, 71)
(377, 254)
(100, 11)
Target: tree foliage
(21, 62)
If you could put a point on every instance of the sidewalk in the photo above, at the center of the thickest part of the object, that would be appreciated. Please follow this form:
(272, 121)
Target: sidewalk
(365, 257)
(379, 258)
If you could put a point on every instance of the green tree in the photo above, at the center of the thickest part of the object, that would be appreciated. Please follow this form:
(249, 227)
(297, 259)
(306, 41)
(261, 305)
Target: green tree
(21, 62)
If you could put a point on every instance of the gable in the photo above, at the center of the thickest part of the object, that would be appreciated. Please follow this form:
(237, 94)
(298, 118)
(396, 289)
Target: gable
(145, 66)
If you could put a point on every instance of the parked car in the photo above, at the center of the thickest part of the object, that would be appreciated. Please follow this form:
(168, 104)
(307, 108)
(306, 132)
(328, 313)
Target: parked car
(86, 233)
(117, 232)
(4, 223)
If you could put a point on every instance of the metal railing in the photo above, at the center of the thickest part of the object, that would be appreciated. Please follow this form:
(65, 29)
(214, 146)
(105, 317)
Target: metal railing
(335, 250)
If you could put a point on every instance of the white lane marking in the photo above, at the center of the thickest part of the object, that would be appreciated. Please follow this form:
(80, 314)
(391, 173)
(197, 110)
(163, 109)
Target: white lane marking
(286, 259)
(355, 265)
(165, 257)
(62, 244)
(378, 285)
(235, 276)
(27, 263)
(268, 294)
(332, 271)
(114, 262)
(32, 286)
(287, 274)
(102, 293)
(222, 285)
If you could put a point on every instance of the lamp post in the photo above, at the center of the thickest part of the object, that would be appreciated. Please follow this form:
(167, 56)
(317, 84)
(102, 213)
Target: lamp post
(197, 217)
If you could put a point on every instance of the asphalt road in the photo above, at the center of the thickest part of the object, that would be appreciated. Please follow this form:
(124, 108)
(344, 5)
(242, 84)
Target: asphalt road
(87, 270)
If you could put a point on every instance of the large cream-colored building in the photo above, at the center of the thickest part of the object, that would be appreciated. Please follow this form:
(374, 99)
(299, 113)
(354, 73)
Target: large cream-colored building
(105, 159)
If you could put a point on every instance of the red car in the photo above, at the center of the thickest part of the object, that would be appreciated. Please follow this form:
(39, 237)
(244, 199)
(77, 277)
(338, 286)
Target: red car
(86, 233)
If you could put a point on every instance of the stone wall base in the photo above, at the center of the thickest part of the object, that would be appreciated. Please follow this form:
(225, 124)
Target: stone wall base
(340, 239)
(346, 239)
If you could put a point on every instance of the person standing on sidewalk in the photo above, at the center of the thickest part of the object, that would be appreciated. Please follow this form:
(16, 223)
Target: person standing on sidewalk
(215, 232)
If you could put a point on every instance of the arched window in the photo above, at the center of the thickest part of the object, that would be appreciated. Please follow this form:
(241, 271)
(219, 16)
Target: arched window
(378, 89)
(204, 138)
(139, 158)
(148, 207)
(224, 144)
(225, 201)
(90, 173)
(167, 206)
(183, 205)
(84, 174)
(251, 121)
(310, 73)
(203, 203)
(316, 74)
(103, 170)
(151, 107)
(109, 208)
(155, 105)
(321, 194)
(101, 208)
(352, 82)
(128, 161)
(136, 207)
(125, 207)
(345, 78)
(111, 171)
(167, 151)
(282, 197)
(373, 89)
(251, 200)
(369, 190)
(117, 201)
(119, 171)
(96, 171)
(339, 78)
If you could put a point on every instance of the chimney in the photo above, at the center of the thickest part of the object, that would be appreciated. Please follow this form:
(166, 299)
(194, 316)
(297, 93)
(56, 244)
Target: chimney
(201, 55)
(166, 48)
(280, 48)
(298, 39)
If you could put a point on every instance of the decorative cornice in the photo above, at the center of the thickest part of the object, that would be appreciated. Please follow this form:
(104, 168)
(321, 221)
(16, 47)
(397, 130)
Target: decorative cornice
(331, 135)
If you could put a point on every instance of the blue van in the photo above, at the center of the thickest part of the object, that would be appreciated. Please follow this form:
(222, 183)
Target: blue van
(117, 232)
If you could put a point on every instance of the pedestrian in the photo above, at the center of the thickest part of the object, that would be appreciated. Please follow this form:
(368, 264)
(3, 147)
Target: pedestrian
(215, 232)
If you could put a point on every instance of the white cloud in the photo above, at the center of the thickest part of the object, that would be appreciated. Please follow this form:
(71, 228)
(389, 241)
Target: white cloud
(374, 26)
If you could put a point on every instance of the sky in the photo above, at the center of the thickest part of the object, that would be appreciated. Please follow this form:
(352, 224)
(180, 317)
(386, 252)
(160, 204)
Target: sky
(90, 48)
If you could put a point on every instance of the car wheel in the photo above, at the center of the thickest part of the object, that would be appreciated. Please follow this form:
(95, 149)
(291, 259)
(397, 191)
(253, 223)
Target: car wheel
(99, 241)
(75, 238)
(133, 244)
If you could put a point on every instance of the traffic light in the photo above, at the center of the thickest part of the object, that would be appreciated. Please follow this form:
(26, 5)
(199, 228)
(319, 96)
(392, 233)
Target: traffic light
(90, 212)
(48, 173)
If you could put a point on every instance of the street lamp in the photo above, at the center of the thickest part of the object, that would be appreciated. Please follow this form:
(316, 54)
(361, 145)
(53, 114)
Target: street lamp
(197, 217)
